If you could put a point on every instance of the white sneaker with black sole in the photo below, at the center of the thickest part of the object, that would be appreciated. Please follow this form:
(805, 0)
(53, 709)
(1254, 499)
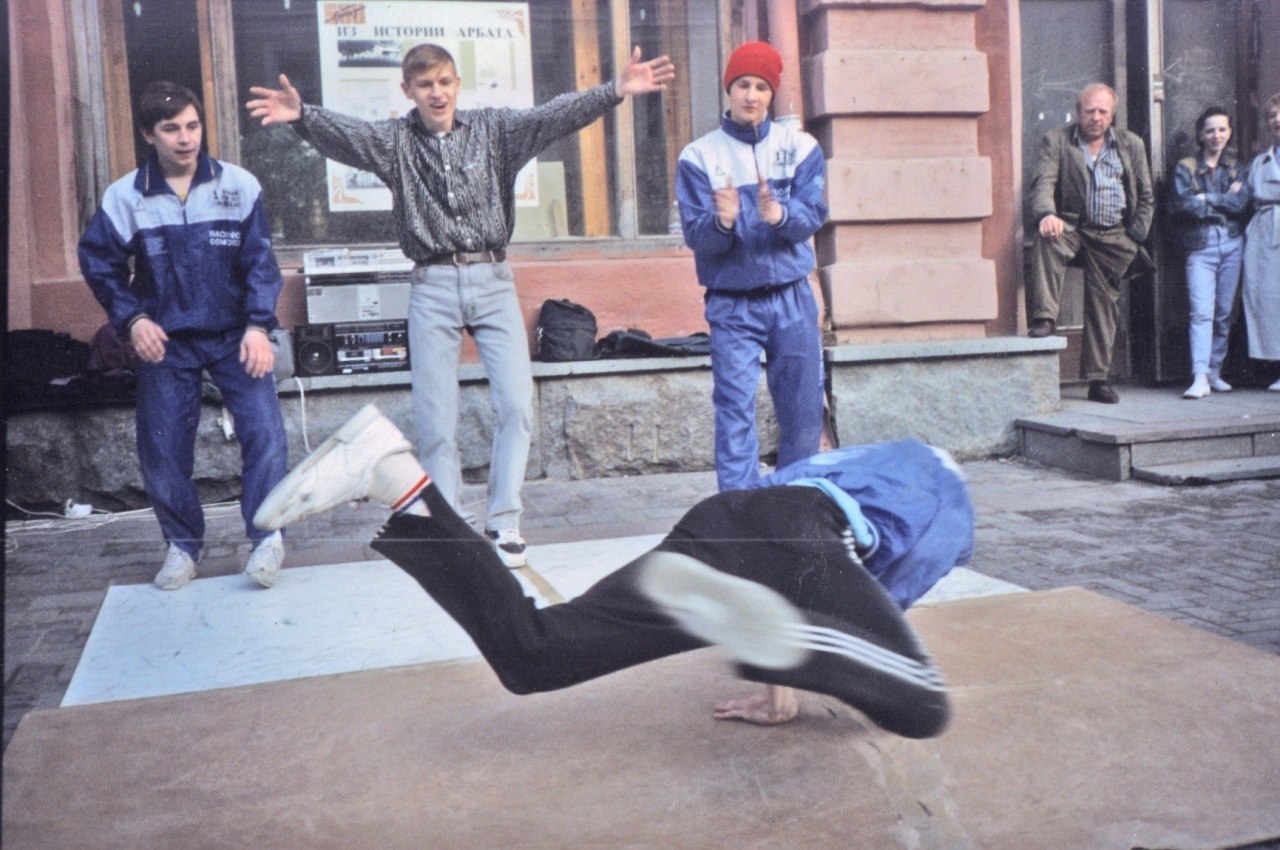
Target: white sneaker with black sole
(510, 546)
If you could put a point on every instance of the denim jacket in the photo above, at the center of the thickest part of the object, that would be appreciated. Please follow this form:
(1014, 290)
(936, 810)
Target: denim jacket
(1196, 218)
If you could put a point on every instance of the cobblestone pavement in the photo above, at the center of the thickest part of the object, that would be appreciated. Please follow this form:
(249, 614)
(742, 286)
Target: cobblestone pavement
(1207, 556)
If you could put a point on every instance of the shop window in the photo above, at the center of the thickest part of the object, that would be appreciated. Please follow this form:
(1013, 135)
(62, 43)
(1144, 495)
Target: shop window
(585, 185)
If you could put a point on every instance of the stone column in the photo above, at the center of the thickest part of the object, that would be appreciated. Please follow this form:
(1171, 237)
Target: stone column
(894, 96)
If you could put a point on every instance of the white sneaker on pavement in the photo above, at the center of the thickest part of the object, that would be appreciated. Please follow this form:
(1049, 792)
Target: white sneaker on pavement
(264, 561)
(1275, 388)
(1218, 385)
(179, 569)
(341, 469)
(511, 547)
(1199, 387)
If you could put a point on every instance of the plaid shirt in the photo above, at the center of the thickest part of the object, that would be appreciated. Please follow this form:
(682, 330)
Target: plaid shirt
(453, 192)
(1106, 183)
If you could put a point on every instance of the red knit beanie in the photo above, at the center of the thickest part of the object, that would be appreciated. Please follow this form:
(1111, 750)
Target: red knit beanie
(757, 59)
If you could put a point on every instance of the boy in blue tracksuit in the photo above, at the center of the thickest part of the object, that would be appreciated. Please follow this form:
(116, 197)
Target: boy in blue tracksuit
(751, 196)
(201, 296)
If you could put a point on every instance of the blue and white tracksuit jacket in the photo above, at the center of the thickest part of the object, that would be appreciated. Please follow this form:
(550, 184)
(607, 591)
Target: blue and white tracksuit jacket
(204, 271)
(908, 507)
(758, 298)
(202, 265)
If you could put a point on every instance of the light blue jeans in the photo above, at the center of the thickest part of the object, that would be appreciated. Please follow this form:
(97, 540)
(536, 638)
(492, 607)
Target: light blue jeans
(1213, 277)
(480, 298)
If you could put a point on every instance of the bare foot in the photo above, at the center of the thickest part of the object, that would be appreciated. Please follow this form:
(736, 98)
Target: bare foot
(777, 705)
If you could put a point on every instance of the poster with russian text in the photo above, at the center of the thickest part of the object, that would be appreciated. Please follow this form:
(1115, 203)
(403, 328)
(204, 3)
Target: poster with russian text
(362, 44)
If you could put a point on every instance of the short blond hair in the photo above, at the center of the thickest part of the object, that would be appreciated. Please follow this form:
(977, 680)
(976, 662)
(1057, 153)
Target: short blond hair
(423, 58)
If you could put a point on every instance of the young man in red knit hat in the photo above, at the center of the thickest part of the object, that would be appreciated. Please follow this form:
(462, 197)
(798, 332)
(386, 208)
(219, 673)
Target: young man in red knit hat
(751, 196)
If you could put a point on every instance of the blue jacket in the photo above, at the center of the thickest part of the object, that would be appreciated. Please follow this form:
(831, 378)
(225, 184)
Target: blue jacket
(202, 265)
(908, 506)
(753, 254)
(1220, 207)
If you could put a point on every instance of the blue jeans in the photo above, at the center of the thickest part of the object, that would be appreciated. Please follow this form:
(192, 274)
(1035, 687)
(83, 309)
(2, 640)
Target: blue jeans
(168, 414)
(1213, 277)
(784, 325)
(480, 298)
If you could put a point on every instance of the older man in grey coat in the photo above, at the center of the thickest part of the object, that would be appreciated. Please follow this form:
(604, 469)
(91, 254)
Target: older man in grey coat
(1092, 198)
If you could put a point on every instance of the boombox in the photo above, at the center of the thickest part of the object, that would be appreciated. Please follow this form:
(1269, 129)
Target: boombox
(350, 348)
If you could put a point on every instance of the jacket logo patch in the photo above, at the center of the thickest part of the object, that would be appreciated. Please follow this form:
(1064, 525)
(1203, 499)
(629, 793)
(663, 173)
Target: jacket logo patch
(785, 158)
(226, 198)
(224, 238)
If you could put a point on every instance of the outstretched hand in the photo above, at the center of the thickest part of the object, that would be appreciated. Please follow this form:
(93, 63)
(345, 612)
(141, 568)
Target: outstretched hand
(777, 705)
(275, 106)
(644, 77)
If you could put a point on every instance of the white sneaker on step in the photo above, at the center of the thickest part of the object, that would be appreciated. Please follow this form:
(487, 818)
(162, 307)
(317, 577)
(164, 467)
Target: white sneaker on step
(1218, 385)
(1275, 388)
(178, 570)
(1199, 388)
(511, 547)
(341, 469)
(265, 560)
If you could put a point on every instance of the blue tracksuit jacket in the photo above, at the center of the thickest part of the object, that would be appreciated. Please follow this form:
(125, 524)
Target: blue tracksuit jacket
(907, 503)
(753, 254)
(202, 265)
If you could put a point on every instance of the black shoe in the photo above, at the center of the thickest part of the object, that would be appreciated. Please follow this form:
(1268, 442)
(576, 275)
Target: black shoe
(1100, 391)
(1042, 328)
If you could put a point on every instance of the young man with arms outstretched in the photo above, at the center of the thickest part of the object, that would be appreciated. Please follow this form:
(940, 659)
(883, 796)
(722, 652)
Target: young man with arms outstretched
(802, 580)
(201, 296)
(452, 179)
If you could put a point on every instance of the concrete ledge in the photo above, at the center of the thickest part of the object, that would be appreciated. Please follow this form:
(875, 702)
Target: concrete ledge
(962, 395)
(1012, 346)
(591, 419)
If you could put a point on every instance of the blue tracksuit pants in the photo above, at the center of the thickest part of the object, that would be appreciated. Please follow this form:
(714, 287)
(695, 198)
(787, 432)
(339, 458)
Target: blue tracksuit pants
(782, 323)
(168, 414)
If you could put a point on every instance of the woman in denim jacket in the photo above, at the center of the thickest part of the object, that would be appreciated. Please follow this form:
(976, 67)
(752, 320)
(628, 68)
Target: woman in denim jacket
(1209, 200)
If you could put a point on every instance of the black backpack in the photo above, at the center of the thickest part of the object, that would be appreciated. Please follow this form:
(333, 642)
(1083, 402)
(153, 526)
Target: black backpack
(566, 331)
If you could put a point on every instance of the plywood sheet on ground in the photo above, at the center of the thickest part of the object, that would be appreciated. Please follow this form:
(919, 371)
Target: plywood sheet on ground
(1080, 723)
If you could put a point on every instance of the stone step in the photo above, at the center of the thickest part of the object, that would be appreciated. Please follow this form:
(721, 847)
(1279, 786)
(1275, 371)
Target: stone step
(1200, 472)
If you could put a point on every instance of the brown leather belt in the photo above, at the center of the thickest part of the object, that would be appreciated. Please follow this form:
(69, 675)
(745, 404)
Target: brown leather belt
(462, 258)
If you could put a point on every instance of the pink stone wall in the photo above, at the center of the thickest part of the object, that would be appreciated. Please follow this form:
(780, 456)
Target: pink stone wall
(912, 106)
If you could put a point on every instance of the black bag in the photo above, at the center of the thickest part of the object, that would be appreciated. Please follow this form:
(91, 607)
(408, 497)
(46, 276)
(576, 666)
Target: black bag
(566, 331)
(634, 342)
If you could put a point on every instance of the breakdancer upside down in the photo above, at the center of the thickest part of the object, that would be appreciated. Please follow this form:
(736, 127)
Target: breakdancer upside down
(801, 581)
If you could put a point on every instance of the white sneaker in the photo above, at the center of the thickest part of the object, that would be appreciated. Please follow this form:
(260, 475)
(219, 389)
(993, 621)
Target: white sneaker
(1275, 388)
(511, 547)
(1199, 387)
(339, 470)
(1218, 385)
(264, 561)
(754, 624)
(179, 569)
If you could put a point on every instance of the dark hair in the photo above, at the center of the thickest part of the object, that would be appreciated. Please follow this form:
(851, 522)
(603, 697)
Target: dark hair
(162, 100)
(424, 57)
(1204, 118)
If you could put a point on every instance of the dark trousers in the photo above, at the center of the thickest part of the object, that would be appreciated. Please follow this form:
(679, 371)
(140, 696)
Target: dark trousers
(1107, 255)
(786, 538)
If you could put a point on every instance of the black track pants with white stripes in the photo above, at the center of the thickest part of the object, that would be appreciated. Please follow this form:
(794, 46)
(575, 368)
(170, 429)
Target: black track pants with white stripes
(790, 539)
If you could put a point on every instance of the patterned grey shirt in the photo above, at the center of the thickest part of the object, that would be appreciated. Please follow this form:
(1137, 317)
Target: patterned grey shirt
(456, 191)
(1106, 184)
